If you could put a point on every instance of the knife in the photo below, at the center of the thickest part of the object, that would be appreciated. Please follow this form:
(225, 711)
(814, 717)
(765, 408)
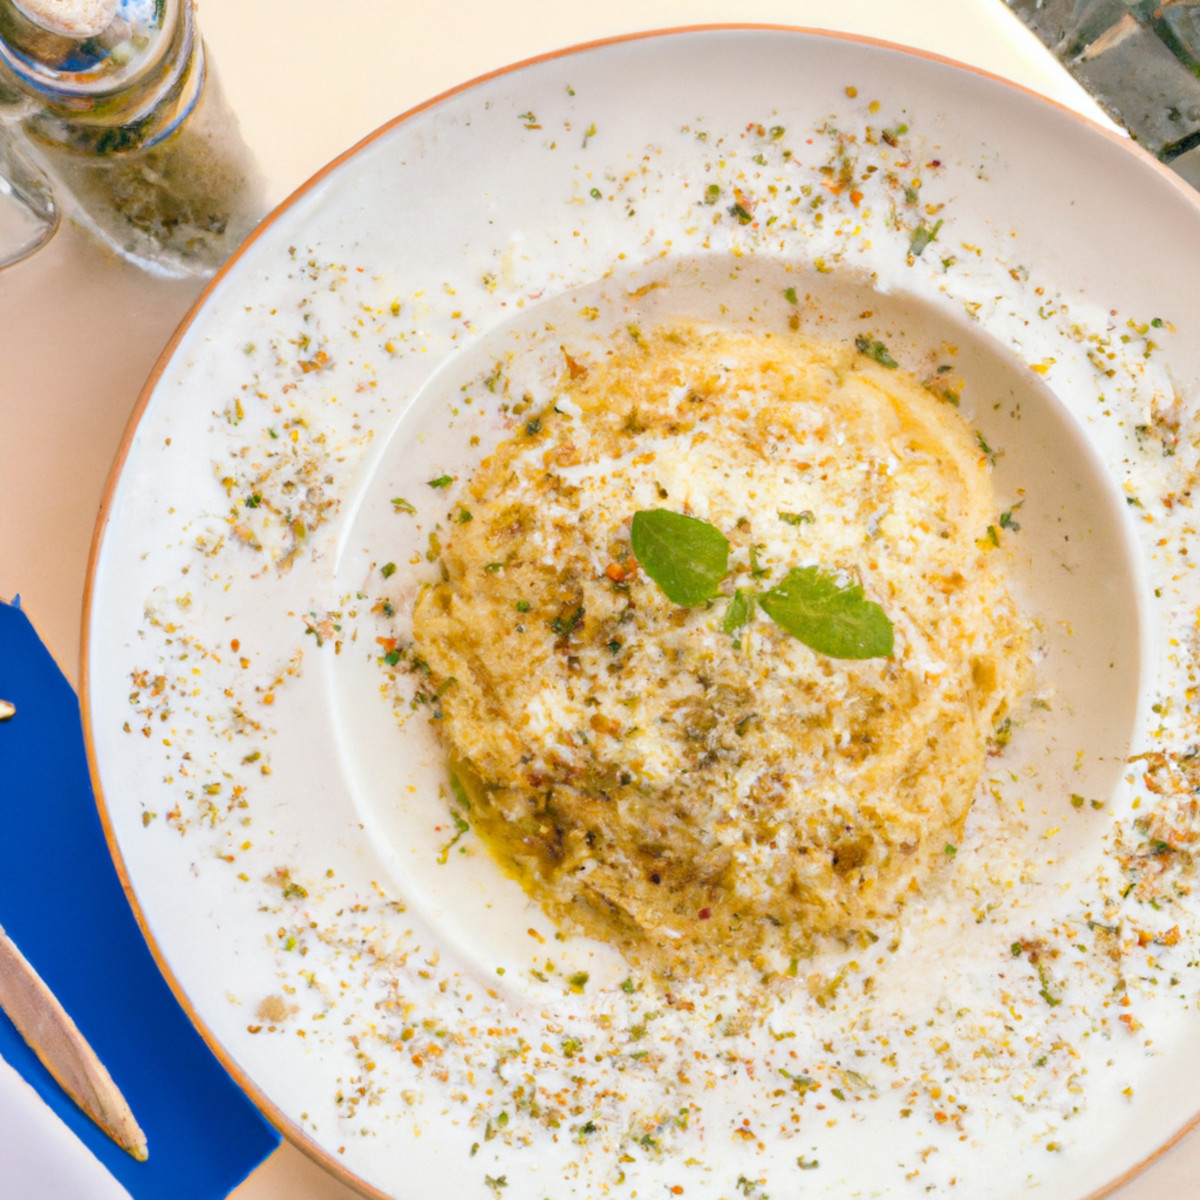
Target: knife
(45, 1025)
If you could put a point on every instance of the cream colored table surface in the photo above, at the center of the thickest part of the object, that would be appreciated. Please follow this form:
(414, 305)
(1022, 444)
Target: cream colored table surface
(80, 332)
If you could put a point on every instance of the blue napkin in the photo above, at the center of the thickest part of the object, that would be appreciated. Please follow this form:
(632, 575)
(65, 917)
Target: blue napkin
(62, 903)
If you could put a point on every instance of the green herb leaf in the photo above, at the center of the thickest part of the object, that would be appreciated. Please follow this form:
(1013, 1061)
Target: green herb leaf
(757, 571)
(828, 616)
(685, 556)
(739, 612)
(876, 350)
(461, 795)
(988, 452)
(1006, 518)
(922, 236)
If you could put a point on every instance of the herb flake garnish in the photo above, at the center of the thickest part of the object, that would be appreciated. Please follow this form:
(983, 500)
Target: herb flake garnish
(922, 236)
(828, 615)
(739, 612)
(796, 518)
(685, 556)
(875, 350)
(689, 558)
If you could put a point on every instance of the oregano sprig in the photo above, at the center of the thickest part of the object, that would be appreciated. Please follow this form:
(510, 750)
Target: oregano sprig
(685, 556)
(829, 614)
(688, 559)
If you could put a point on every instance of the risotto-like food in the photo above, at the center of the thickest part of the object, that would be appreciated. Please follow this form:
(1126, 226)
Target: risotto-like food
(723, 641)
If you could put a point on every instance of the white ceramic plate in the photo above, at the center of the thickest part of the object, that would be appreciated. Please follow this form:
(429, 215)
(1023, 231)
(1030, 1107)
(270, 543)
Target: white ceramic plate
(389, 998)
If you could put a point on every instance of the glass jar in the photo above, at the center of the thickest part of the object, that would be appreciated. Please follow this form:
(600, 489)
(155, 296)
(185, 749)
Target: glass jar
(131, 126)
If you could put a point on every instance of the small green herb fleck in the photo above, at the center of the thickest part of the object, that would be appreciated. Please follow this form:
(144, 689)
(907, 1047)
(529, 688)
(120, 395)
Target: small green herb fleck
(460, 793)
(460, 827)
(578, 981)
(793, 518)
(789, 294)
(922, 236)
(253, 500)
(739, 612)
(523, 606)
(1006, 517)
(533, 427)
(442, 481)
(1044, 991)
(712, 194)
(388, 570)
(741, 213)
(399, 504)
(564, 625)
(875, 350)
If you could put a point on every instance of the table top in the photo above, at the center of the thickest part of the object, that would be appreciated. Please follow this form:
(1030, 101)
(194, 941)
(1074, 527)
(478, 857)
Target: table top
(81, 331)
